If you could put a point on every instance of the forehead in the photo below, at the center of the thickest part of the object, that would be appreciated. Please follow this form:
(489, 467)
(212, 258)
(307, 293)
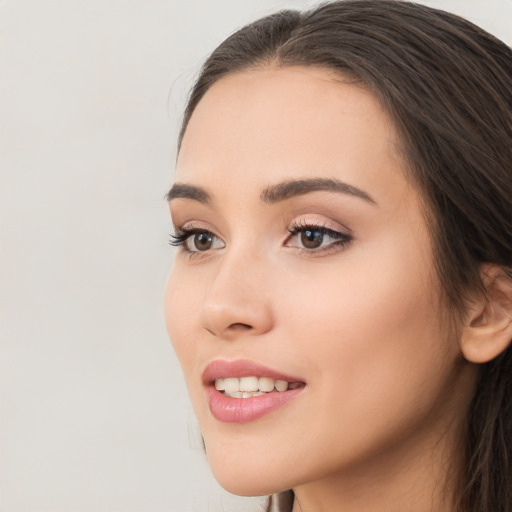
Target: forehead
(266, 125)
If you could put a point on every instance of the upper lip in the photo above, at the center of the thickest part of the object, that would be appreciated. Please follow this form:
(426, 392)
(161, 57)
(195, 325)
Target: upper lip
(221, 369)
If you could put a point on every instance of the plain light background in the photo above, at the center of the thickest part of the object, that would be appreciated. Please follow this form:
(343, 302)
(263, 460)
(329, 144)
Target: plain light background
(94, 415)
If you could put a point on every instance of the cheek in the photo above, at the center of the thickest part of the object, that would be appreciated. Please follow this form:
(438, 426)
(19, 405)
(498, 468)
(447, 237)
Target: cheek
(370, 337)
(357, 300)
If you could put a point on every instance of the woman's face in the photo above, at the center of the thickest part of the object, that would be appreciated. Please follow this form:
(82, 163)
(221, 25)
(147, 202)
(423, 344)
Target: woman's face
(307, 260)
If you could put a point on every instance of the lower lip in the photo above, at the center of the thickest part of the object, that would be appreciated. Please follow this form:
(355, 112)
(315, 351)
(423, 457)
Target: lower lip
(241, 410)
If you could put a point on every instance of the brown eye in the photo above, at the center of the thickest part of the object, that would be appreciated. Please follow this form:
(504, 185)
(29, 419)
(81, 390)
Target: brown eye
(317, 239)
(311, 239)
(197, 240)
(202, 241)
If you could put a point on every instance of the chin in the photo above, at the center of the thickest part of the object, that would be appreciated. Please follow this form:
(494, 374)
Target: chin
(245, 477)
(246, 485)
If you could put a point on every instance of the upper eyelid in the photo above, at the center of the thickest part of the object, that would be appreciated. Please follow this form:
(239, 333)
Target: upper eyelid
(191, 230)
(335, 233)
(195, 226)
(296, 229)
(324, 223)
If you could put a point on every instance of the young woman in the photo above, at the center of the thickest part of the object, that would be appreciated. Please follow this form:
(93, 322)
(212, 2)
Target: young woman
(341, 302)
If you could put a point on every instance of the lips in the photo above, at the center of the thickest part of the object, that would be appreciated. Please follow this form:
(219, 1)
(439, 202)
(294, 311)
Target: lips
(241, 391)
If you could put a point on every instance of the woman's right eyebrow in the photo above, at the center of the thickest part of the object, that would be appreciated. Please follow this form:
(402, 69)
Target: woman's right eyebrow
(185, 191)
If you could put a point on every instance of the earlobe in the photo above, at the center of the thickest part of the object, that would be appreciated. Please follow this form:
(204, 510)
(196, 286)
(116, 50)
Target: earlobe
(488, 331)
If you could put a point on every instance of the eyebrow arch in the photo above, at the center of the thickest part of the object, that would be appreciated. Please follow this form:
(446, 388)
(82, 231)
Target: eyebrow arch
(293, 188)
(184, 191)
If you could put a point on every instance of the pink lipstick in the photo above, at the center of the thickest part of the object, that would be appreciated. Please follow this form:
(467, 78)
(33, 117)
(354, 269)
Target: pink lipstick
(241, 391)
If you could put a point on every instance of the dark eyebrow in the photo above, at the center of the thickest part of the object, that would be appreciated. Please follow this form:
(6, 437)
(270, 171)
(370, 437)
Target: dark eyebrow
(184, 191)
(293, 188)
(275, 193)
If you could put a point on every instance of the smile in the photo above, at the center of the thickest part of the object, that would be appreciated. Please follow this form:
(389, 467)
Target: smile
(241, 391)
(248, 387)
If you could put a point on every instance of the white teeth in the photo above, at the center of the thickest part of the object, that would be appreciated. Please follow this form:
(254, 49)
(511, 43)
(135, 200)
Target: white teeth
(231, 385)
(249, 384)
(247, 387)
(281, 385)
(266, 384)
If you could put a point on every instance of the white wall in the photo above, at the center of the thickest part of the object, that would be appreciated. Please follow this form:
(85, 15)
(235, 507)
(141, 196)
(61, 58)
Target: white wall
(94, 413)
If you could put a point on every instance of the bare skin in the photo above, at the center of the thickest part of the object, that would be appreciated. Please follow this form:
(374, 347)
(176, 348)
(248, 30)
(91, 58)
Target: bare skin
(377, 425)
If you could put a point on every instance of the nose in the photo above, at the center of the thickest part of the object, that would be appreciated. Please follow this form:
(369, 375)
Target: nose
(237, 302)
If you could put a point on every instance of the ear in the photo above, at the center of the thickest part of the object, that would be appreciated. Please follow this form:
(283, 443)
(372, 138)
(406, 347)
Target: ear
(488, 329)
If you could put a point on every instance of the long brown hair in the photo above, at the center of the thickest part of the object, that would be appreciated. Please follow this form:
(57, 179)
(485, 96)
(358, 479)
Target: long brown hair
(448, 86)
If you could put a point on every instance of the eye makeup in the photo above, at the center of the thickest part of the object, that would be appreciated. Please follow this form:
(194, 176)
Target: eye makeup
(195, 240)
(313, 238)
(316, 238)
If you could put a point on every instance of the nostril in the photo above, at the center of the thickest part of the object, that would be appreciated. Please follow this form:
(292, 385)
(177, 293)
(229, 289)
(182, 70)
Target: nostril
(240, 327)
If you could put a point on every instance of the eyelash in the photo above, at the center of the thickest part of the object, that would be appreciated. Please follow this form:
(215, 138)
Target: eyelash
(182, 234)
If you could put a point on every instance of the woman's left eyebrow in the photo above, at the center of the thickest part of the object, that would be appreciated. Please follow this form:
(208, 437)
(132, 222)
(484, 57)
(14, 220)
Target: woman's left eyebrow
(293, 188)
